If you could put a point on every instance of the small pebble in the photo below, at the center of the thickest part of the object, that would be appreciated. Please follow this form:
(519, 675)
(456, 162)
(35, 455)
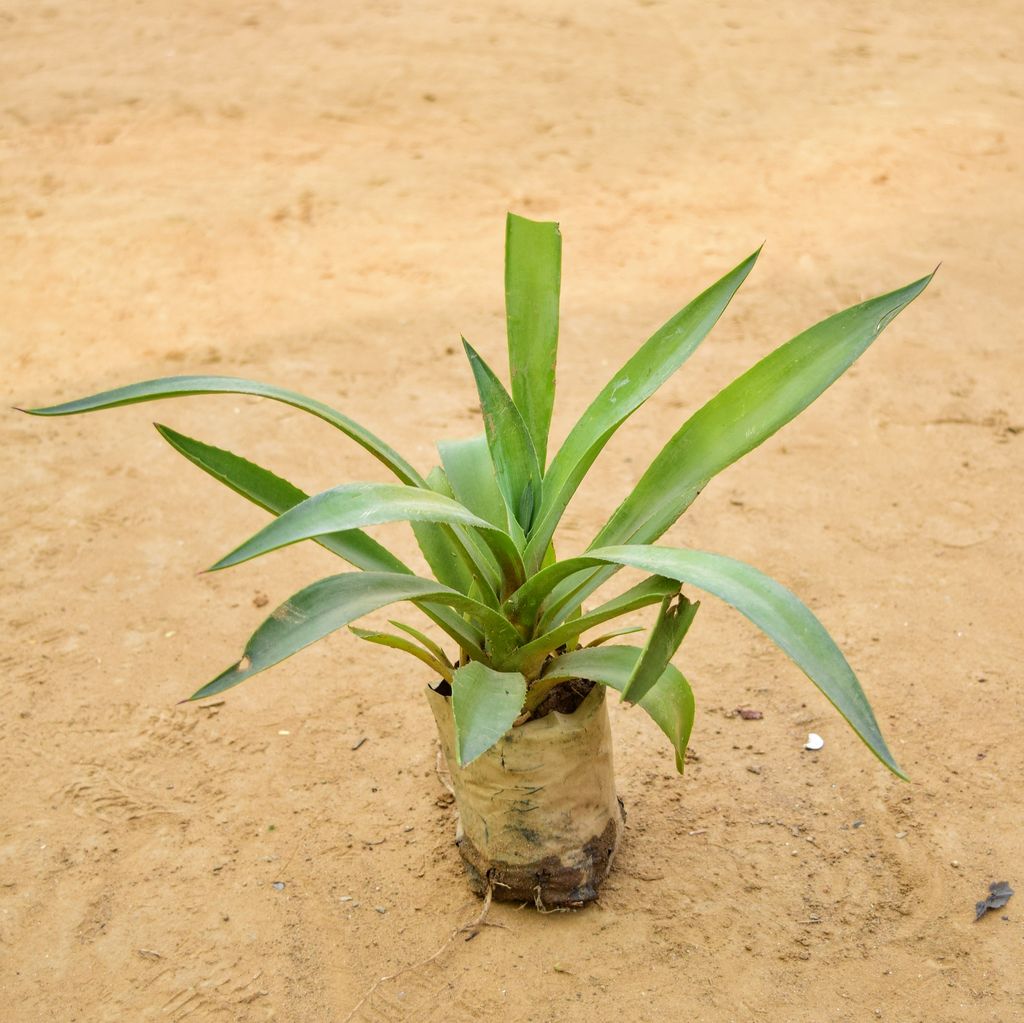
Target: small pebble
(901, 834)
(858, 824)
(814, 741)
(955, 863)
(381, 909)
(278, 886)
(284, 731)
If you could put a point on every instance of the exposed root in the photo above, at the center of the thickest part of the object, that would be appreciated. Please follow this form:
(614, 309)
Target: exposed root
(471, 930)
(473, 927)
(541, 908)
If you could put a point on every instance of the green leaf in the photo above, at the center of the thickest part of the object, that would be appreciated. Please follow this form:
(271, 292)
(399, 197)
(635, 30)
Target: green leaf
(778, 613)
(673, 622)
(173, 387)
(406, 645)
(530, 657)
(550, 557)
(734, 422)
(276, 495)
(485, 703)
(523, 605)
(638, 379)
(512, 452)
(533, 272)
(423, 638)
(615, 634)
(367, 504)
(747, 412)
(448, 552)
(470, 472)
(669, 701)
(331, 604)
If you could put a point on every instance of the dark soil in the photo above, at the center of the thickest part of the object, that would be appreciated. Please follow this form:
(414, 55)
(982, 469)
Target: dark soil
(564, 698)
(547, 883)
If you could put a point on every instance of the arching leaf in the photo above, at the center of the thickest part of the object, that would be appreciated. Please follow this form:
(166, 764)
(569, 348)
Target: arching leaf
(657, 359)
(276, 495)
(177, 387)
(331, 604)
(366, 504)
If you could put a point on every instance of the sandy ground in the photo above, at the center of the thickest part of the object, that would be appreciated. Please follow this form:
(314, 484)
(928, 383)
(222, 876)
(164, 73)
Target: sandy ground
(313, 194)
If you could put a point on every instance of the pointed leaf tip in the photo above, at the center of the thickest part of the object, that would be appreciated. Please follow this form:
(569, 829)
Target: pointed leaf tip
(513, 454)
(779, 614)
(673, 622)
(642, 374)
(748, 411)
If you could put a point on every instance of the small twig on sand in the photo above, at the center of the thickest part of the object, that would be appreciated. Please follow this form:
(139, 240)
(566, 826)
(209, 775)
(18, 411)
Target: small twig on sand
(291, 856)
(443, 775)
(472, 929)
(645, 877)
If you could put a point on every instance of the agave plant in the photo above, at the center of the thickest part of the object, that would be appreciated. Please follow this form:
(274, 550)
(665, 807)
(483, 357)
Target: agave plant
(485, 519)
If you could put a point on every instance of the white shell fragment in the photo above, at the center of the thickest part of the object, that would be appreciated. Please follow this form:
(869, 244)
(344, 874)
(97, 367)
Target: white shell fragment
(814, 741)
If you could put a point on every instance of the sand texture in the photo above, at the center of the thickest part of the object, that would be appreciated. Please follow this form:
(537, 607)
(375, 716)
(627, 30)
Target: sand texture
(313, 194)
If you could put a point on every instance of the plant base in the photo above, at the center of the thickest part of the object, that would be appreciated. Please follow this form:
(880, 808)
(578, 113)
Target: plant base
(539, 820)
